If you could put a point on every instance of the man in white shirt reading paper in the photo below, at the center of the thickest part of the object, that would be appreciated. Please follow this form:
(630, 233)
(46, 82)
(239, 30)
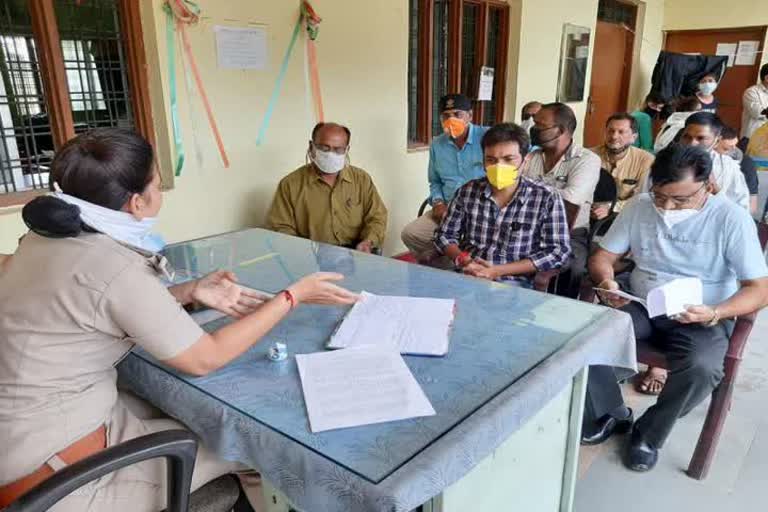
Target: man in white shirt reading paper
(679, 229)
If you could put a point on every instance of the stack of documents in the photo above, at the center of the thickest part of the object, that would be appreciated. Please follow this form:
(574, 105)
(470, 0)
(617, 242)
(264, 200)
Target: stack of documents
(410, 325)
(669, 299)
(359, 386)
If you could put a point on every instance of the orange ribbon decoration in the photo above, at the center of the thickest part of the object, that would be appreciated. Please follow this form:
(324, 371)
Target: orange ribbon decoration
(186, 15)
(313, 26)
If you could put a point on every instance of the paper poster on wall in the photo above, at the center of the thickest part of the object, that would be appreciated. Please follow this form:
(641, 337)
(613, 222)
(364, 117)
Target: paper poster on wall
(241, 48)
(727, 50)
(485, 91)
(746, 55)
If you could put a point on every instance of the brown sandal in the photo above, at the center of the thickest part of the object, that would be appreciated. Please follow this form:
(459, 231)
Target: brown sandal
(652, 382)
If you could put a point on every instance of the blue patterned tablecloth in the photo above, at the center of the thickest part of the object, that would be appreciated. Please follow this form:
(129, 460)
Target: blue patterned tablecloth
(512, 350)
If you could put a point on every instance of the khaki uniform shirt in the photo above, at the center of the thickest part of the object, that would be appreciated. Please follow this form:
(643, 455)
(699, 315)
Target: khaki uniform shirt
(70, 310)
(349, 213)
(629, 172)
(575, 177)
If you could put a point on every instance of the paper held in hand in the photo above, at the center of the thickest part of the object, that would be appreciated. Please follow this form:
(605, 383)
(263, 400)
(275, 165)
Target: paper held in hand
(411, 325)
(668, 299)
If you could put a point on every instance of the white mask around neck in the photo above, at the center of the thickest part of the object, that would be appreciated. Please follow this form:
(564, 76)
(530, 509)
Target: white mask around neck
(118, 225)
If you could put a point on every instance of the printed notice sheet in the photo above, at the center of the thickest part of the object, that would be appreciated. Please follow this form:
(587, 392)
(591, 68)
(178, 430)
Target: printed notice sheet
(411, 325)
(241, 48)
(359, 386)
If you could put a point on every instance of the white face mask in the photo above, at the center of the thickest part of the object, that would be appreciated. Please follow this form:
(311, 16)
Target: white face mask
(707, 88)
(673, 217)
(118, 225)
(329, 162)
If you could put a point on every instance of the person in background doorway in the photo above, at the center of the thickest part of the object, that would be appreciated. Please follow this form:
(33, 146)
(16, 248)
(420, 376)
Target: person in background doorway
(627, 164)
(572, 170)
(728, 146)
(706, 93)
(654, 105)
(755, 102)
(505, 227)
(455, 157)
(673, 126)
(328, 200)
(529, 110)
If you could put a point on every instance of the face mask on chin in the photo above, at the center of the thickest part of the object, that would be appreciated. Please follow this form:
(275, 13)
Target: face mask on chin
(328, 162)
(617, 150)
(537, 138)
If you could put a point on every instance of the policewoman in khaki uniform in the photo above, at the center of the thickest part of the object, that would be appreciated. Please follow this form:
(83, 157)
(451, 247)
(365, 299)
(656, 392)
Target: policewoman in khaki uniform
(81, 290)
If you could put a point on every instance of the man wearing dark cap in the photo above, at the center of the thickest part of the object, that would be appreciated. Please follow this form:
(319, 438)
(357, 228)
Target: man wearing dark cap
(455, 157)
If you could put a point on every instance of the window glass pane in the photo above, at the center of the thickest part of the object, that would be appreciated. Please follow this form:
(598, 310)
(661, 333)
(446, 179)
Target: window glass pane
(414, 36)
(492, 60)
(439, 61)
(95, 63)
(26, 140)
(470, 68)
(613, 11)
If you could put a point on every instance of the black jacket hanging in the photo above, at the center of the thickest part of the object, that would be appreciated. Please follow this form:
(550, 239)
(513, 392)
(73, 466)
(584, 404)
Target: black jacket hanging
(678, 74)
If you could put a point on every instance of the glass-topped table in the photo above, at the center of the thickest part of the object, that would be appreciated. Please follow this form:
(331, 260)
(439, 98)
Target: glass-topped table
(502, 335)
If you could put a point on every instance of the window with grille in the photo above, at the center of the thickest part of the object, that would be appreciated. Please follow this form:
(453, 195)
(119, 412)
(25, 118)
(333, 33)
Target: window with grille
(85, 82)
(614, 11)
(449, 43)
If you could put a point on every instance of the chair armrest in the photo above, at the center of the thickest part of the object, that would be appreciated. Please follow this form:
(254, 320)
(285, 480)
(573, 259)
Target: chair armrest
(423, 208)
(740, 335)
(178, 446)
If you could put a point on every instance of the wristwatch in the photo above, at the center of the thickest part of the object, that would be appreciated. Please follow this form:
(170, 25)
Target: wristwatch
(715, 318)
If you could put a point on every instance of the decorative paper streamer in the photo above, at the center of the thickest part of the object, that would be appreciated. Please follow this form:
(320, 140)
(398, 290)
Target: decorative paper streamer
(187, 12)
(309, 17)
(170, 32)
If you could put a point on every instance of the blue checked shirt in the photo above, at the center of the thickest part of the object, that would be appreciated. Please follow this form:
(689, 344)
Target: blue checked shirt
(532, 226)
(451, 167)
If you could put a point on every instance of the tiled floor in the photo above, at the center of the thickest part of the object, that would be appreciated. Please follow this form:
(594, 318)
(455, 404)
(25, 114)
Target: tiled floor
(738, 480)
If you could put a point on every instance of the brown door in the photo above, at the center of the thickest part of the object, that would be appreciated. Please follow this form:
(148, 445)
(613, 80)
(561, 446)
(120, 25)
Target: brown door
(737, 78)
(611, 67)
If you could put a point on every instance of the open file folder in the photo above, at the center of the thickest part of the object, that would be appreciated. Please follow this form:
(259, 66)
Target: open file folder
(416, 326)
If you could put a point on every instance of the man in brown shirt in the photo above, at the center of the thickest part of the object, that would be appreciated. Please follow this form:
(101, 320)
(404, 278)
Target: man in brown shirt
(627, 164)
(329, 200)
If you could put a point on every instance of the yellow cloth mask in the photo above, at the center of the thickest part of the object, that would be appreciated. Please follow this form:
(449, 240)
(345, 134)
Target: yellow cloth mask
(454, 127)
(502, 176)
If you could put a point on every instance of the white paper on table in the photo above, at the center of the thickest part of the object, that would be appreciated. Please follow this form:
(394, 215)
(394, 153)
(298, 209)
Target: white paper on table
(485, 91)
(668, 299)
(359, 386)
(727, 50)
(241, 48)
(410, 325)
(746, 54)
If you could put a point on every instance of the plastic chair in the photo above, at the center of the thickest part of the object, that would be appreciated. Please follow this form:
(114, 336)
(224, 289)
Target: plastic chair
(706, 447)
(178, 447)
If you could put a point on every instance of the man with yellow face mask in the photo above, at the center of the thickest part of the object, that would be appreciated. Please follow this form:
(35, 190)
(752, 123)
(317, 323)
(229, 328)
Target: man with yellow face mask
(505, 227)
(455, 157)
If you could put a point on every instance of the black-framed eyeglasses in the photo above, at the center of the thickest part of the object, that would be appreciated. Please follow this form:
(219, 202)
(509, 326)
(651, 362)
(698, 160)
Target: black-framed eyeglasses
(676, 200)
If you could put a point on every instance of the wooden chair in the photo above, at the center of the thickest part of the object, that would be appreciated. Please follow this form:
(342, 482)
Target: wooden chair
(722, 396)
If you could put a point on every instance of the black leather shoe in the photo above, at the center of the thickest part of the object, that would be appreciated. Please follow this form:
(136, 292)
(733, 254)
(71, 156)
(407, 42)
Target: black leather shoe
(641, 456)
(607, 427)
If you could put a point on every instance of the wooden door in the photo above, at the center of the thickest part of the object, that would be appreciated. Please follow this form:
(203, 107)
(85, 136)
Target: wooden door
(737, 78)
(611, 67)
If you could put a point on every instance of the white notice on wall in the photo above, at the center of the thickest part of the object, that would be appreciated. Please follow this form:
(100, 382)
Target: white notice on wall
(746, 55)
(727, 50)
(485, 91)
(241, 48)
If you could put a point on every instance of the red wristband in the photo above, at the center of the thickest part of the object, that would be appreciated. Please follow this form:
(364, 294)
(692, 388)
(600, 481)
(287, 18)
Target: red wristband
(290, 298)
(463, 259)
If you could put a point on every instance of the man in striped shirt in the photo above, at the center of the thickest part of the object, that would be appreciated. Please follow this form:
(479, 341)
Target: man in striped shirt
(505, 227)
